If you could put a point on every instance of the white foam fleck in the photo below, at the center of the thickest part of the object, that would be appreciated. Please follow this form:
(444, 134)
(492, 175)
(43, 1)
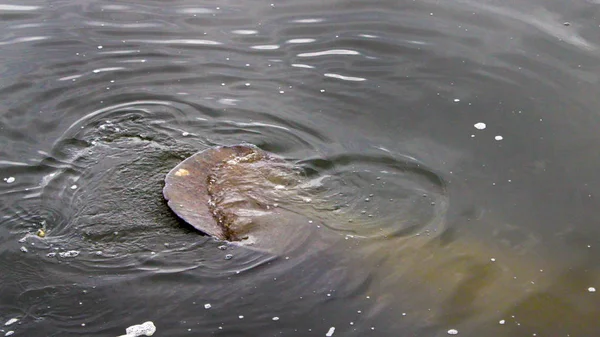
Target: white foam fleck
(207, 306)
(479, 126)
(592, 289)
(69, 253)
(275, 318)
(10, 180)
(502, 322)
(73, 187)
(456, 100)
(453, 332)
(24, 249)
(498, 137)
(144, 329)
(11, 321)
(9, 333)
(330, 332)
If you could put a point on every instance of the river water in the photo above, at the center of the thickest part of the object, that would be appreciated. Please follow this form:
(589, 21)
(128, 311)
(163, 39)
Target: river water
(453, 145)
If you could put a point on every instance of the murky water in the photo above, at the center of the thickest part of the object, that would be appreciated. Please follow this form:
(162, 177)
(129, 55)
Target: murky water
(449, 148)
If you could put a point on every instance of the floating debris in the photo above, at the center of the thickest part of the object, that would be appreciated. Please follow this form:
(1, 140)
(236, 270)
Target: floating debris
(453, 332)
(228, 257)
(501, 322)
(11, 321)
(498, 137)
(207, 306)
(592, 289)
(144, 329)
(10, 333)
(330, 332)
(275, 318)
(41, 233)
(479, 126)
(10, 180)
(24, 249)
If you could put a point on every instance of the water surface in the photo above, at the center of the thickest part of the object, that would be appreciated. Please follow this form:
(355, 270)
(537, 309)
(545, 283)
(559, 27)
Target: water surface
(450, 148)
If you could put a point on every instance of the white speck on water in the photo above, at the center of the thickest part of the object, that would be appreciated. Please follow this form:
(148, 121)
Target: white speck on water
(479, 126)
(275, 318)
(10, 333)
(185, 134)
(69, 253)
(498, 137)
(73, 187)
(144, 329)
(207, 306)
(493, 259)
(99, 47)
(592, 289)
(11, 321)
(453, 332)
(330, 332)
(10, 180)
(502, 322)
(241, 316)
(24, 249)
(456, 100)
(247, 84)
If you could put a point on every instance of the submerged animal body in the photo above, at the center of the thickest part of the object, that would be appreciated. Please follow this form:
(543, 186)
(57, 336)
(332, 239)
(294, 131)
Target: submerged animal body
(233, 193)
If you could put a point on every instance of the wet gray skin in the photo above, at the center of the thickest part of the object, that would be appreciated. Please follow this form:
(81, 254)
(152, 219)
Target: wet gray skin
(239, 194)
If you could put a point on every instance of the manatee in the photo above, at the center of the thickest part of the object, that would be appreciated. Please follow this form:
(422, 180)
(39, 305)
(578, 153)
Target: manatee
(239, 194)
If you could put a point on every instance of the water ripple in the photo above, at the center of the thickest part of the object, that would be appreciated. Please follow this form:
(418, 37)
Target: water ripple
(330, 52)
